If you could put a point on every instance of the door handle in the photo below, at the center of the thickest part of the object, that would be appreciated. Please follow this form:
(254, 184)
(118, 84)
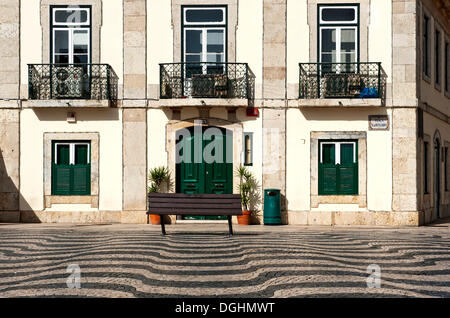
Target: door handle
(218, 185)
(190, 185)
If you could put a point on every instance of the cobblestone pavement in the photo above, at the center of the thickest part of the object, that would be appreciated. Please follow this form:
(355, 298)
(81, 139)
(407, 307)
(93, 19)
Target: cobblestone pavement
(202, 261)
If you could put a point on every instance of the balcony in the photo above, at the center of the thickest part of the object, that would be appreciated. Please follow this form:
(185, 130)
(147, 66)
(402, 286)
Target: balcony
(355, 81)
(226, 83)
(75, 84)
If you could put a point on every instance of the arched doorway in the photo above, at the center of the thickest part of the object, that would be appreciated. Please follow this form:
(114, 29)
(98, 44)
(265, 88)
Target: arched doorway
(204, 161)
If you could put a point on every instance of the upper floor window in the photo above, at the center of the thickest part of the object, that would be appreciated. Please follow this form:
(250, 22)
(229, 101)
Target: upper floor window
(437, 56)
(446, 67)
(204, 34)
(426, 45)
(70, 31)
(338, 34)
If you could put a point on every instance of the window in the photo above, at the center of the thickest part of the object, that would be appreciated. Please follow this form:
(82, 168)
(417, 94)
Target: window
(204, 35)
(338, 34)
(248, 149)
(425, 167)
(437, 57)
(71, 168)
(70, 35)
(445, 168)
(338, 167)
(426, 45)
(446, 67)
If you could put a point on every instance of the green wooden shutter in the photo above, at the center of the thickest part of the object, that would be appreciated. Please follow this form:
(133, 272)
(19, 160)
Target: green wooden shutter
(61, 180)
(338, 179)
(327, 170)
(70, 179)
(81, 181)
(81, 171)
(329, 182)
(348, 170)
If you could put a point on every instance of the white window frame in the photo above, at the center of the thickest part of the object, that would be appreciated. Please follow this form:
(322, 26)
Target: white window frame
(71, 44)
(223, 9)
(86, 23)
(72, 151)
(338, 41)
(337, 149)
(204, 54)
(355, 21)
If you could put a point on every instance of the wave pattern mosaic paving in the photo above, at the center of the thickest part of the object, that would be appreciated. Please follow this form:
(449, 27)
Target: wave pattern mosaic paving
(266, 263)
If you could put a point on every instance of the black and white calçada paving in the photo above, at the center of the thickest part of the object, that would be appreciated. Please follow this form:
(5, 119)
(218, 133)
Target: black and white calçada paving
(203, 261)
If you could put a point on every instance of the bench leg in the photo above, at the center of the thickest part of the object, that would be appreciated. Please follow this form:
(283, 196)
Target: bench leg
(230, 225)
(163, 229)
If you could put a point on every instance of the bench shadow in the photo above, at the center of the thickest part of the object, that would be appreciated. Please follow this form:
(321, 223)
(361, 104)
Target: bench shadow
(235, 234)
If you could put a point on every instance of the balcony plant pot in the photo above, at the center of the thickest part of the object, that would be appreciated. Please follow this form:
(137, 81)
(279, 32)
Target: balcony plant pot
(245, 218)
(155, 219)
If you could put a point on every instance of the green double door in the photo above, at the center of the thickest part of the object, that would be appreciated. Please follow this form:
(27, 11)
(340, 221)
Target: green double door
(204, 163)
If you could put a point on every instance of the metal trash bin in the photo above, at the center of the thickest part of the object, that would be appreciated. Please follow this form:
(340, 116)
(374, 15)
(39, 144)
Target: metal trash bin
(272, 207)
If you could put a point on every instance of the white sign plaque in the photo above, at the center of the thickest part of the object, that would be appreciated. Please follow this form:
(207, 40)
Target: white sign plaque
(378, 122)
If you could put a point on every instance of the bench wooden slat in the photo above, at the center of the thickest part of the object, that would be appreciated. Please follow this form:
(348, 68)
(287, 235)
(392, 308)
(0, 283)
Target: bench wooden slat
(202, 205)
(195, 205)
(155, 200)
(194, 211)
(197, 196)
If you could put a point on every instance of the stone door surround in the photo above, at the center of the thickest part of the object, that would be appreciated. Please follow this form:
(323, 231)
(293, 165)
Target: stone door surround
(50, 199)
(361, 198)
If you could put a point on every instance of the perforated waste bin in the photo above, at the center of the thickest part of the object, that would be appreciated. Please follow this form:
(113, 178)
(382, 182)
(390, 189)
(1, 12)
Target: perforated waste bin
(272, 207)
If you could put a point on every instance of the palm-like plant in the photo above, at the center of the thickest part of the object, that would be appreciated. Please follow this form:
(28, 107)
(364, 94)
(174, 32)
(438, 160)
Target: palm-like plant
(247, 185)
(157, 177)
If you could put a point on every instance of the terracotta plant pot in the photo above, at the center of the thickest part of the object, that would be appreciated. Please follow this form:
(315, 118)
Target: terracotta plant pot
(244, 219)
(155, 219)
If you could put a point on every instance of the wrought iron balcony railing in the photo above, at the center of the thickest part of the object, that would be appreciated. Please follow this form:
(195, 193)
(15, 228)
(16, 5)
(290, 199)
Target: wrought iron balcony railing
(72, 81)
(206, 80)
(342, 80)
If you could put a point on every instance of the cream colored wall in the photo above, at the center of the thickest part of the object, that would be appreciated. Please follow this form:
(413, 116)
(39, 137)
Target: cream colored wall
(254, 125)
(156, 139)
(158, 119)
(297, 42)
(159, 40)
(30, 39)
(111, 36)
(300, 123)
(107, 122)
(380, 35)
(249, 39)
(298, 31)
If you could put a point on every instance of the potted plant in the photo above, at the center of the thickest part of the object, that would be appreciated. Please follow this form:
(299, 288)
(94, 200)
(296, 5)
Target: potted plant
(247, 187)
(157, 177)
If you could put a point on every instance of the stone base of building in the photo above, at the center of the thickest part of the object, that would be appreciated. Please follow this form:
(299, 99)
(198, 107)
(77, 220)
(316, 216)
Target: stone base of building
(326, 218)
(355, 218)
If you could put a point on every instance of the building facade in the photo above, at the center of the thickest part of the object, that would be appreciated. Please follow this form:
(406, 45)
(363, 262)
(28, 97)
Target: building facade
(342, 105)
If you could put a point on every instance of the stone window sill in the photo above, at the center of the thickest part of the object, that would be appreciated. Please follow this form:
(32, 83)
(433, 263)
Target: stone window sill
(75, 199)
(338, 199)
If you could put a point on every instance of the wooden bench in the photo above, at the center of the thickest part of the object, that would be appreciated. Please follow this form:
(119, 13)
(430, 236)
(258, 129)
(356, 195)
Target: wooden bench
(194, 205)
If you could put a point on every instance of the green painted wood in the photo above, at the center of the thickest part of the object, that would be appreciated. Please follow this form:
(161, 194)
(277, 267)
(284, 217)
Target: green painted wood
(338, 179)
(210, 176)
(70, 179)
